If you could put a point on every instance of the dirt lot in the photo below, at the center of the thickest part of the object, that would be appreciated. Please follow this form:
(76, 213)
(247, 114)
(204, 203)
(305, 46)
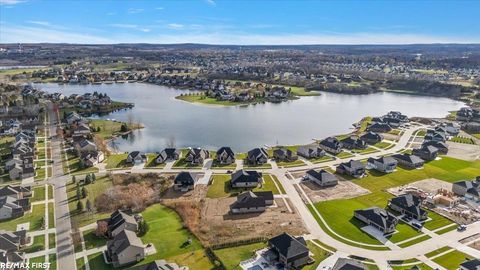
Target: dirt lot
(463, 151)
(217, 225)
(430, 185)
(344, 190)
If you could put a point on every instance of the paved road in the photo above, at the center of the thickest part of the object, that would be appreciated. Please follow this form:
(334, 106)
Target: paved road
(65, 251)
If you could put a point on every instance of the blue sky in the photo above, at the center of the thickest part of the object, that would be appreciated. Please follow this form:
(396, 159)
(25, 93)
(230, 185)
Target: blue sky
(240, 22)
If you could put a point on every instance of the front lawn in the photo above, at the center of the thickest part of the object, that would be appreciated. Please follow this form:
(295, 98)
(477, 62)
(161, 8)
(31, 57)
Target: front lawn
(37, 245)
(343, 154)
(182, 163)
(118, 161)
(151, 162)
(319, 255)
(233, 256)
(437, 221)
(295, 163)
(321, 159)
(38, 194)
(382, 145)
(404, 232)
(35, 217)
(93, 241)
(452, 260)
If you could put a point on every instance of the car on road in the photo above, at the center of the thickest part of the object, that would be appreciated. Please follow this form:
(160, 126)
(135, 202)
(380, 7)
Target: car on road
(461, 228)
(417, 225)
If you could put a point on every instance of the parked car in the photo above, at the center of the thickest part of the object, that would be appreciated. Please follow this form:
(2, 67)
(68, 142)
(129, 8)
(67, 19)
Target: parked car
(417, 225)
(461, 228)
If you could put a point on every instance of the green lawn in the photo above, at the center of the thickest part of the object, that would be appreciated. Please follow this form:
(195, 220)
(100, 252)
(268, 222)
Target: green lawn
(231, 257)
(382, 145)
(117, 161)
(460, 139)
(300, 91)
(452, 260)
(51, 240)
(445, 230)
(437, 221)
(319, 255)
(320, 159)
(295, 163)
(215, 164)
(35, 217)
(343, 154)
(414, 241)
(38, 194)
(76, 167)
(405, 232)
(183, 163)
(421, 266)
(52, 258)
(50, 192)
(367, 150)
(258, 166)
(221, 187)
(81, 263)
(107, 128)
(39, 259)
(40, 173)
(37, 245)
(93, 190)
(202, 99)
(51, 216)
(93, 241)
(437, 251)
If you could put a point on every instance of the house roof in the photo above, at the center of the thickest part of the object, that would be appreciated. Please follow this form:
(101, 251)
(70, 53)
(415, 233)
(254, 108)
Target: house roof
(185, 179)
(124, 240)
(331, 142)
(226, 150)
(349, 264)
(322, 175)
(378, 216)
(410, 203)
(408, 158)
(289, 246)
(118, 218)
(371, 136)
(242, 176)
(257, 152)
(473, 264)
(353, 164)
(383, 160)
(250, 199)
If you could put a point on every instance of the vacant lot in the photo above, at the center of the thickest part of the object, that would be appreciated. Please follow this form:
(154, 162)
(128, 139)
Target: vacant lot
(430, 185)
(218, 225)
(463, 151)
(344, 190)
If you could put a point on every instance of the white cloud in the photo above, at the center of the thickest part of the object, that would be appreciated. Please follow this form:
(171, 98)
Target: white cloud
(211, 2)
(43, 23)
(130, 26)
(11, 2)
(135, 10)
(175, 26)
(111, 13)
(159, 8)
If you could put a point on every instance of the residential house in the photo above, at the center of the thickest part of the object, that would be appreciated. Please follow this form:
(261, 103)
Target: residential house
(371, 137)
(409, 205)
(291, 252)
(22, 169)
(14, 201)
(73, 118)
(378, 218)
(257, 156)
(433, 135)
(322, 178)
(426, 153)
(168, 154)
(84, 146)
(184, 181)
(81, 129)
(310, 151)
(197, 156)
(284, 154)
(441, 146)
(349, 264)
(121, 220)
(472, 264)
(242, 178)
(379, 127)
(10, 245)
(252, 202)
(331, 145)
(225, 155)
(125, 248)
(409, 161)
(353, 168)
(90, 159)
(159, 265)
(136, 157)
(452, 129)
(382, 164)
(467, 189)
(353, 142)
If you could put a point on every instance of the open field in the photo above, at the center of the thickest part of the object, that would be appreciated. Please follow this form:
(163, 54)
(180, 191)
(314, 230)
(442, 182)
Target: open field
(452, 260)
(231, 257)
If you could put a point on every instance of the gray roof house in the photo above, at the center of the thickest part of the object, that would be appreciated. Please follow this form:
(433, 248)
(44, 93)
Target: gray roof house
(14, 201)
(371, 137)
(378, 218)
(197, 155)
(136, 157)
(184, 181)
(242, 178)
(353, 168)
(291, 252)
(473, 264)
(409, 205)
(467, 189)
(310, 151)
(441, 146)
(349, 264)
(409, 161)
(322, 178)
(167, 154)
(225, 155)
(379, 127)
(426, 153)
(10, 244)
(353, 142)
(257, 156)
(252, 202)
(382, 164)
(125, 248)
(121, 220)
(284, 154)
(331, 145)
(85, 146)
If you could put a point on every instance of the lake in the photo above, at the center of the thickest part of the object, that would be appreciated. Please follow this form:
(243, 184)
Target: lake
(168, 120)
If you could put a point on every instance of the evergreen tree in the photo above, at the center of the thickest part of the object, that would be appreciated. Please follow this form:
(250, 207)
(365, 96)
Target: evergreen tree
(74, 180)
(93, 178)
(79, 193)
(88, 205)
(142, 227)
(80, 206)
(84, 192)
(88, 179)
